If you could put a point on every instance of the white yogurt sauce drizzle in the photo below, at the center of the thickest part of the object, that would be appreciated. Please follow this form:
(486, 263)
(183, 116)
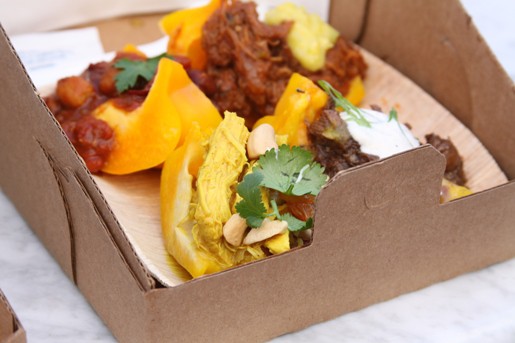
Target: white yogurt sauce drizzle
(384, 138)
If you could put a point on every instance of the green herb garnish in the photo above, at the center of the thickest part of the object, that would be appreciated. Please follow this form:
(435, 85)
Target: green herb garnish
(294, 224)
(354, 113)
(290, 171)
(251, 206)
(132, 70)
(393, 115)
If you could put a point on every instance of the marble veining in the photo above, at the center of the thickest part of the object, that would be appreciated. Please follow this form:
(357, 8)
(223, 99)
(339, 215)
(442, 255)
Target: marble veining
(47, 303)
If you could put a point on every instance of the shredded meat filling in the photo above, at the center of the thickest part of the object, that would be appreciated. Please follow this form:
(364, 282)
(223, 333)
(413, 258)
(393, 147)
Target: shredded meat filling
(251, 63)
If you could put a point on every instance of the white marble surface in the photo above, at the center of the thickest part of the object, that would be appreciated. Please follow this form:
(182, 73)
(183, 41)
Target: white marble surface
(477, 307)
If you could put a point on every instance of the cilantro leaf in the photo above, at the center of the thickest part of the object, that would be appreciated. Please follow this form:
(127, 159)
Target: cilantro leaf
(393, 115)
(353, 112)
(295, 224)
(251, 206)
(132, 70)
(291, 171)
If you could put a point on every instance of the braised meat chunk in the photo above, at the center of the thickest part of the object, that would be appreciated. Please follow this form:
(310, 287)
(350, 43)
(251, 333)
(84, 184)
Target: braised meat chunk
(251, 62)
(333, 145)
(454, 166)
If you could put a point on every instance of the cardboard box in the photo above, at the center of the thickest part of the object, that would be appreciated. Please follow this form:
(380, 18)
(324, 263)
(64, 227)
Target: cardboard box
(11, 330)
(390, 236)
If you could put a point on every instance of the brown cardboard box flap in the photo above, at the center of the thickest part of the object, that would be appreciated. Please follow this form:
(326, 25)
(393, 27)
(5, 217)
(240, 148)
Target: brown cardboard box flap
(11, 330)
(42, 146)
(436, 45)
(348, 17)
(379, 232)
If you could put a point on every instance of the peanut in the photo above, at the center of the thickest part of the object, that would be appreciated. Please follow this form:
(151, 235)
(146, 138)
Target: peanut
(306, 235)
(261, 139)
(268, 229)
(234, 230)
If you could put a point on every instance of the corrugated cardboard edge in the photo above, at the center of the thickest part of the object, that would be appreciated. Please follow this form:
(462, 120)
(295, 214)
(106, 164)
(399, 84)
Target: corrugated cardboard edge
(11, 330)
(50, 187)
(46, 149)
(102, 273)
(453, 64)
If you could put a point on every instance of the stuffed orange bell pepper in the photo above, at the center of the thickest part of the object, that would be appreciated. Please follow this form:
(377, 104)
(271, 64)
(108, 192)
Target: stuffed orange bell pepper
(147, 135)
(185, 31)
(191, 103)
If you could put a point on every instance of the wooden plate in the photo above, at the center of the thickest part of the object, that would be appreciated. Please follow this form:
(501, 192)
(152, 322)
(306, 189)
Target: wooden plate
(135, 198)
(386, 87)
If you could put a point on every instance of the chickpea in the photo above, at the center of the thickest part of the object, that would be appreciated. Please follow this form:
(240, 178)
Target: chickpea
(107, 83)
(74, 91)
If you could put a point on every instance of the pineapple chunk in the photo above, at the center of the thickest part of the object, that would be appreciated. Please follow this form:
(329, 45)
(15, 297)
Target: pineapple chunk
(309, 38)
(279, 243)
(451, 191)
